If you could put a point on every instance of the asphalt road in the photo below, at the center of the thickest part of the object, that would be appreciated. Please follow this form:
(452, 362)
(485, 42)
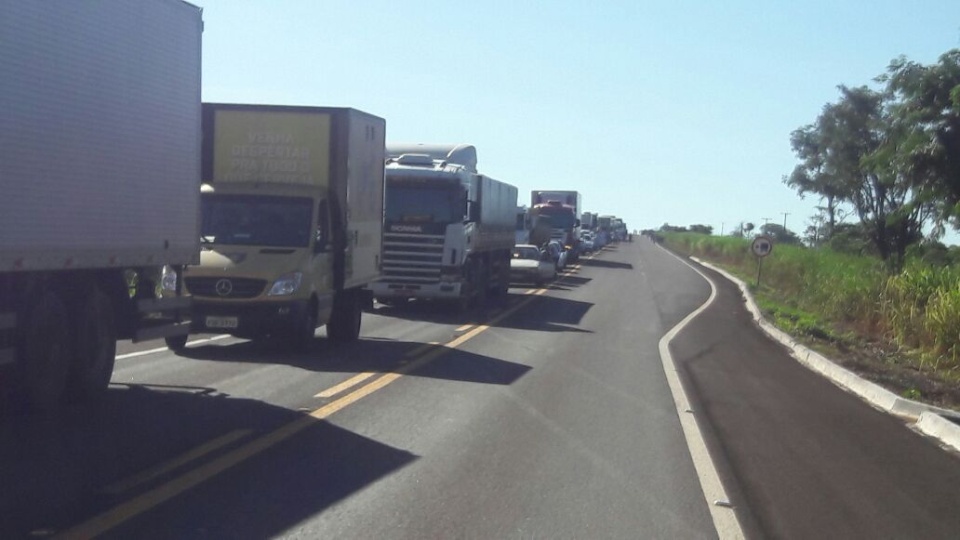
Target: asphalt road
(548, 416)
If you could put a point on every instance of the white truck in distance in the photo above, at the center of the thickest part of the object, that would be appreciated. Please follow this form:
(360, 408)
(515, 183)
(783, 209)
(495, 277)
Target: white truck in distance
(99, 199)
(448, 230)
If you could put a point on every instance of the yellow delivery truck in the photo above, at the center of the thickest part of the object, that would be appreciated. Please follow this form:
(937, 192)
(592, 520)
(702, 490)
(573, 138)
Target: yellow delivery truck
(291, 222)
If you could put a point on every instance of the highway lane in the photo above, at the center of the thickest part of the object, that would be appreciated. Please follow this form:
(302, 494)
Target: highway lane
(554, 421)
(548, 417)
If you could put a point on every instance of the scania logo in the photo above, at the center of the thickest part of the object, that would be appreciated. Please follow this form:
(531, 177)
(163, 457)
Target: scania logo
(224, 287)
(406, 228)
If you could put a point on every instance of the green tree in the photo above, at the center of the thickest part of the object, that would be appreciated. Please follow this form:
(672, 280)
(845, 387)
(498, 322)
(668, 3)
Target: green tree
(847, 155)
(779, 234)
(702, 229)
(926, 112)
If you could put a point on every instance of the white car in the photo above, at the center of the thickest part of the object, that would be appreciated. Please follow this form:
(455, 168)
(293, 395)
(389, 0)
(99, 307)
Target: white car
(529, 265)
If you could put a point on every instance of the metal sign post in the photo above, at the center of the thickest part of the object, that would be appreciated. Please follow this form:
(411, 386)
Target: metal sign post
(761, 247)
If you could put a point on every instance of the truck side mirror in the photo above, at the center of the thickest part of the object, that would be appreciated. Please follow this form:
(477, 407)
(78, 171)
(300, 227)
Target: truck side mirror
(576, 223)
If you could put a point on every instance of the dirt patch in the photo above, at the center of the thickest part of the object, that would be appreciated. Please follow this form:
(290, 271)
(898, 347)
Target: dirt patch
(897, 370)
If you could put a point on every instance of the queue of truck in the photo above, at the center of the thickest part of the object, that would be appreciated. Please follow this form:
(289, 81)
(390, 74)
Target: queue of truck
(132, 210)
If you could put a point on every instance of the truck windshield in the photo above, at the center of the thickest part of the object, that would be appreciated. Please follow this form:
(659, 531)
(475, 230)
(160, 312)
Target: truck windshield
(409, 204)
(256, 221)
(560, 217)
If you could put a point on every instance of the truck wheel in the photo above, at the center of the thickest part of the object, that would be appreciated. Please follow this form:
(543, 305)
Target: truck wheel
(344, 325)
(306, 328)
(96, 347)
(44, 363)
(176, 343)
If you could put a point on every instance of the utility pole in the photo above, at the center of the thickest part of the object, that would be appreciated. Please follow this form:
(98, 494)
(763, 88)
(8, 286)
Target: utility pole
(785, 214)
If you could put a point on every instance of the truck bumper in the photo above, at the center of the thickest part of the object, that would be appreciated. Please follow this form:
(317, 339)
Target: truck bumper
(433, 291)
(248, 320)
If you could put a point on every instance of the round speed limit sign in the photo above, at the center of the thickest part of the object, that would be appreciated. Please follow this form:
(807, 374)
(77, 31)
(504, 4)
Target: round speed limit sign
(761, 246)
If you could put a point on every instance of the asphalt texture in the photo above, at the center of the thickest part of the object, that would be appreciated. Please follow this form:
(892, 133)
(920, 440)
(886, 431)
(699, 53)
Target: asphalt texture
(546, 415)
(803, 458)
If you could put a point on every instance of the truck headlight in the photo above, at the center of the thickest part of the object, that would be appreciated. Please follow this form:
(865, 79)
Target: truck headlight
(286, 284)
(168, 279)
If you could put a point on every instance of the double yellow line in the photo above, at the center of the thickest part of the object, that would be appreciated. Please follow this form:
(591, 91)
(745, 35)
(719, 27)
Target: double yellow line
(148, 500)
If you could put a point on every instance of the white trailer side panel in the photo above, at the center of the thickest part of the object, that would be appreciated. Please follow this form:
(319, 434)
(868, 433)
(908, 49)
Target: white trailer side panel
(99, 133)
(498, 206)
(367, 140)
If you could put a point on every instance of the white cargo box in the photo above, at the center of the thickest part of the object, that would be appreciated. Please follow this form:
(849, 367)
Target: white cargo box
(99, 133)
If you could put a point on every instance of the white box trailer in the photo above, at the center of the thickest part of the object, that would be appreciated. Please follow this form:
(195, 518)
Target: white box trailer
(99, 172)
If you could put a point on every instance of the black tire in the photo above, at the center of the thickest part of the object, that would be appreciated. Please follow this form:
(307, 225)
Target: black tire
(305, 329)
(96, 347)
(344, 325)
(176, 343)
(44, 354)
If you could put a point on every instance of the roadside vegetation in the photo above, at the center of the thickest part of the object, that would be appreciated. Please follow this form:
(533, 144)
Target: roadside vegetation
(867, 281)
(900, 329)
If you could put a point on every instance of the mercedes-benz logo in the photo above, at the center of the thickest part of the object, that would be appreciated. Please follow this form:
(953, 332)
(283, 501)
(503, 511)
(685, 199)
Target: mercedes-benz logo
(224, 287)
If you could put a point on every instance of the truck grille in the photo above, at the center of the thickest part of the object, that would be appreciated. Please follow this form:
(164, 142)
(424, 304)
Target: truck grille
(412, 258)
(216, 287)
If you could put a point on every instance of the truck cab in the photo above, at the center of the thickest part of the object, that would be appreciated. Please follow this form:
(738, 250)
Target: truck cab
(265, 261)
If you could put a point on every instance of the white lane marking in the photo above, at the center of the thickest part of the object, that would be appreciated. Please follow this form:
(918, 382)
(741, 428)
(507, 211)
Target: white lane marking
(162, 349)
(724, 518)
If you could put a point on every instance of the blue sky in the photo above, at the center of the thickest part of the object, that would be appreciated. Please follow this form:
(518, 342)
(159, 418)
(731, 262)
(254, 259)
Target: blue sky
(670, 112)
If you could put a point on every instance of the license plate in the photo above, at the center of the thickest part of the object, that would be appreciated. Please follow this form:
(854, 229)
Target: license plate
(222, 322)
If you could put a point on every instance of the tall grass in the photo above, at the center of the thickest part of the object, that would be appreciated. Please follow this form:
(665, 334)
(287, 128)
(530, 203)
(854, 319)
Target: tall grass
(918, 308)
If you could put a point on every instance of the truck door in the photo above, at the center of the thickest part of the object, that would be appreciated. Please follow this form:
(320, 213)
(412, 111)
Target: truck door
(320, 272)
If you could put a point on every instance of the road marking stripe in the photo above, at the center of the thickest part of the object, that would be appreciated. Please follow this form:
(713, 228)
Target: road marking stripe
(724, 518)
(163, 468)
(140, 504)
(464, 328)
(346, 385)
(163, 349)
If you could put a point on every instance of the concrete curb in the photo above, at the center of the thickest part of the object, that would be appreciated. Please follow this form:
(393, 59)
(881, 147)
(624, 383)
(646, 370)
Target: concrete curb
(927, 419)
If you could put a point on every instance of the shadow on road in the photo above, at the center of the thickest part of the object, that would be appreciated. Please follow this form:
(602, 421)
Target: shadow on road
(58, 470)
(600, 263)
(368, 354)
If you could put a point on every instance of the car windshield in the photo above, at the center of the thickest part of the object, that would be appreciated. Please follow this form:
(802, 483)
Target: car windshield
(531, 253)
(256, 220)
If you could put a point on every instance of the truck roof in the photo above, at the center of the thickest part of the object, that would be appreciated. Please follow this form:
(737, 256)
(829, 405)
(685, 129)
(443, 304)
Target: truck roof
(459, 154)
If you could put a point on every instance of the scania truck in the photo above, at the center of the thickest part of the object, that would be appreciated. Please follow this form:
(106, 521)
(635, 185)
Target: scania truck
(448, 230)
(291, 231)
(99, 179)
